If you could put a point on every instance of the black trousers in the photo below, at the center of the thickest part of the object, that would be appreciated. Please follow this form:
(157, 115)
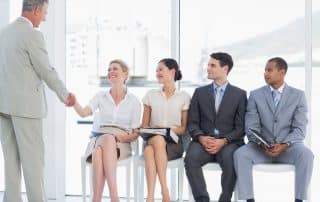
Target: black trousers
(197, 157)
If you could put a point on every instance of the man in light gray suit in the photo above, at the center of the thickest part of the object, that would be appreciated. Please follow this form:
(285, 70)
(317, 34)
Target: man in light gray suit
(278, 112)
(24, 65)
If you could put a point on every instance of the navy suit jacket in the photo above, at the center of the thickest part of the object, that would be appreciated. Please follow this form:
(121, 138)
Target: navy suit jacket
(229, 120)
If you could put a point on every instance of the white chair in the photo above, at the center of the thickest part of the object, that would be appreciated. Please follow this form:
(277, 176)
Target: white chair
(212, 167)
(122, 163)
(273, 168)
(177, 164)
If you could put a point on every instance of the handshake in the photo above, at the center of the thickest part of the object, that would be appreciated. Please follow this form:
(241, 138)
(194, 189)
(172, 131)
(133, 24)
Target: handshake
(71, 100)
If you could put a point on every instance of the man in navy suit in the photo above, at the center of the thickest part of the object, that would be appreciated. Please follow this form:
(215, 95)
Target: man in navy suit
(216, 125)
(279, 113)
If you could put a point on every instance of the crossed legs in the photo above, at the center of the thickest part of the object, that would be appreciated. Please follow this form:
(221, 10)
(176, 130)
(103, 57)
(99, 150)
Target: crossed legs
(156, 161)
(104, 160)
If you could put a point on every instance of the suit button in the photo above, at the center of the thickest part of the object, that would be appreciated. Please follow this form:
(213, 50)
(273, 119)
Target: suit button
(275, 120)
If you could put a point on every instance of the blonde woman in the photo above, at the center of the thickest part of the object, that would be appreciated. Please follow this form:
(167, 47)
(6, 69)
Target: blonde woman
(117, 117)
(164, 107)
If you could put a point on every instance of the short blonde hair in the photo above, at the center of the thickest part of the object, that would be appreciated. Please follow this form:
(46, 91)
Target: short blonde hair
(122, 64)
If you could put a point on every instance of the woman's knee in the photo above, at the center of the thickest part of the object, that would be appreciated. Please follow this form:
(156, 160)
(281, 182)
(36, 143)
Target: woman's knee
(157, 141)
(107, 139)
(97, 152)
(148, 150)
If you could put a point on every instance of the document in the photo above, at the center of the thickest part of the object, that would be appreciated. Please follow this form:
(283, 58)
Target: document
(260, 137)
(110, 130)
(169, 135)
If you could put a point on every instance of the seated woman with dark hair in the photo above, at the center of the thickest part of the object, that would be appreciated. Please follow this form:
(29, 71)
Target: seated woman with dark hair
(164, 107)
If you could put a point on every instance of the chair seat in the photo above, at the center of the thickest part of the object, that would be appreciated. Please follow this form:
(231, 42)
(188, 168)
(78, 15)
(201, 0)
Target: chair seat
(274, 167)
(212, 166)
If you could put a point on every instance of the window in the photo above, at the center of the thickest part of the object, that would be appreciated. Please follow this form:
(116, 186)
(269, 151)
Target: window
(251, 31)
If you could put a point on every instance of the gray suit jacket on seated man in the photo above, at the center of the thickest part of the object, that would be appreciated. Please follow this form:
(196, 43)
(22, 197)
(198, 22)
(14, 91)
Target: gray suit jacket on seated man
(283, 124)
(24, 65)
(216, 133)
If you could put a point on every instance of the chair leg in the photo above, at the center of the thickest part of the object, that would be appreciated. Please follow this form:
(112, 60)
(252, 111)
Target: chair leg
(91, 181)
(173, 184)
(83, 179)
(128, 181)
(180, 184)
(136, 182)
(235, 194)
(141, 198)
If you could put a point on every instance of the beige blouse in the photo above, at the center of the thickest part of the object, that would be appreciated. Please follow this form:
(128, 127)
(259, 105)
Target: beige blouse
(166, 112)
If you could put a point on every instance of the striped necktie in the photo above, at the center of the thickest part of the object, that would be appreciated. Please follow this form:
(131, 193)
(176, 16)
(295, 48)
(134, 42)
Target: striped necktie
(276, 98)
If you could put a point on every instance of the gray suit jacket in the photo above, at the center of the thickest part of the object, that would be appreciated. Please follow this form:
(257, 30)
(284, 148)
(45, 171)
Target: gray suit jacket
(24, 65)
(286, 124)
(229, 120)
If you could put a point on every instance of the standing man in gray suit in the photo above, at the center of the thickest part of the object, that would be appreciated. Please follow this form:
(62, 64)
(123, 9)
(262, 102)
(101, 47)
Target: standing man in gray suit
(216, 125)
(278, 112)
(24, 65)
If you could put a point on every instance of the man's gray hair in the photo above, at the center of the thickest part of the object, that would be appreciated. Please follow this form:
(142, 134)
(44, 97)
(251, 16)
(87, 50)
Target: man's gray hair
(29, 5)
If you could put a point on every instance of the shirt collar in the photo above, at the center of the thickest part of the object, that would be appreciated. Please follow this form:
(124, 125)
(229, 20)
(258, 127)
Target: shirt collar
(26, 20)
(109, 96)
(280, 89)
(222, 87)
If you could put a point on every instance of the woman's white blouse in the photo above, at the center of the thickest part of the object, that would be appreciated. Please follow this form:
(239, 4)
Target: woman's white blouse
(127, 114)
(166, 112)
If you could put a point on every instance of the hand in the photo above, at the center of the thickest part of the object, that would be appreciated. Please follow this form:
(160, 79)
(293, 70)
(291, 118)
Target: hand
(121, 138)
(204, 140)
(276, 149)
(215, 145)
(71, 100)
(265, 147)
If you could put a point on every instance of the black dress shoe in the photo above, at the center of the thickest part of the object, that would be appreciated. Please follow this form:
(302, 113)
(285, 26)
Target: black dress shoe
(250, 200)
(298, 200)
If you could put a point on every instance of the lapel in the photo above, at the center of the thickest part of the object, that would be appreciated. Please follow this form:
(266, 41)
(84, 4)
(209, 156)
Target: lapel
(210, 98)
(284, 97)
(226, 96)
(268, 95)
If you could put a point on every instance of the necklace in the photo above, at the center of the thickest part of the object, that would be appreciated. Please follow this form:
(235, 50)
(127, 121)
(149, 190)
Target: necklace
(169, 91)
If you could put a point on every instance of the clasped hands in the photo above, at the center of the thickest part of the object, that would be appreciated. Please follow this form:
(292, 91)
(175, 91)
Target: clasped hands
(211, 144)
(275, 149)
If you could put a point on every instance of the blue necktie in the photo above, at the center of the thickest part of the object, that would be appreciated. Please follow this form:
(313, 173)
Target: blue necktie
(276, 98)
(218, 97)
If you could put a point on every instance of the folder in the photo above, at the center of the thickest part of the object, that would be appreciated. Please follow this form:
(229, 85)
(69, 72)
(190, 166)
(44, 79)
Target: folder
(169, 135)
(257, 135)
